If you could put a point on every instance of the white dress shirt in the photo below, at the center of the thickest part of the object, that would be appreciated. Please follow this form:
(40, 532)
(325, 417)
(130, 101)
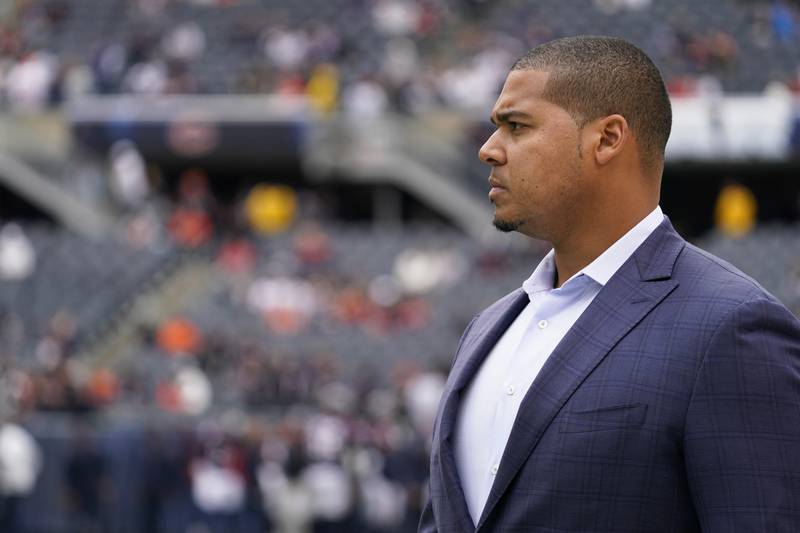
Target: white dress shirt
(491, 401)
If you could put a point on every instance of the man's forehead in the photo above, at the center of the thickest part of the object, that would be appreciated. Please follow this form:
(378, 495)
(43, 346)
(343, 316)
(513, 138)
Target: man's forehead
(520, 88)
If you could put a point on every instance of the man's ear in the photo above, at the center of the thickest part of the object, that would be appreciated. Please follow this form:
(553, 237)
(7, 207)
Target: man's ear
(611, 135)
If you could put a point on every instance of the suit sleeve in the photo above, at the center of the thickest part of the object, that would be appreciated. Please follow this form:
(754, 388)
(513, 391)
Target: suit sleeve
(742, 433)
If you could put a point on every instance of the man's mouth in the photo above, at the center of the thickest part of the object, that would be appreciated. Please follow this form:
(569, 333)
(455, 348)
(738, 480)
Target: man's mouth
(494, 192)
(495, 183)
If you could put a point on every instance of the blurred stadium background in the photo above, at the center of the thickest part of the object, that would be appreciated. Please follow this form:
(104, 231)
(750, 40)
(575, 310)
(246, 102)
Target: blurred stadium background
(239, 239)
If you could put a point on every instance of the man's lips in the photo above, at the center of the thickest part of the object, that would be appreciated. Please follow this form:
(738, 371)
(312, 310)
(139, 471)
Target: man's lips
(497, 187)
(494, 182)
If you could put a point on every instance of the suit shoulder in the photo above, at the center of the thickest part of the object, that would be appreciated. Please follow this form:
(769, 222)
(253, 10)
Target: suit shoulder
(705, 275)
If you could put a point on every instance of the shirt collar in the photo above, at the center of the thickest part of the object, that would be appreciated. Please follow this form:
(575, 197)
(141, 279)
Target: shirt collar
(604, 266)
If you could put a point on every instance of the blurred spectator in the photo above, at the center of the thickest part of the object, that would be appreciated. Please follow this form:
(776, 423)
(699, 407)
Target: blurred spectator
(326, 435)
(29, 79)
(794, 136)
(285, 494)
(722, 51)
(419, 271)
(151, 8)
(219, 485)
(323, 88)
(17, 256)
(180, 80)
(312, 246)
(285, 48)
(421, 394)
(186, 389)
(128, 175)
(237, 256)
(20, 463)
(73, 80)
(383, 502)
(193, 389)
(88, 484)
(103, 387)
(17, 394)
(144, 230)
(400, 62)
(610, 7)
(270, 208)
(365, 99)
(163, 477)
(783, 21)
(332, 504)
(193, 188)
(109, 64)
(146, 77)
(56, 12)
(185, 42)
(324, 43)
(396, 17)
(735, 212)
(761, 28)
(473, 84)
(178, 336)
(352, 305)
(286, 304)
(191, 223)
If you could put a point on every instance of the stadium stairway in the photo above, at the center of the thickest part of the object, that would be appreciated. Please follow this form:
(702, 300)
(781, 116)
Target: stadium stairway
(170, 294)
(397, 152)
(59, 203)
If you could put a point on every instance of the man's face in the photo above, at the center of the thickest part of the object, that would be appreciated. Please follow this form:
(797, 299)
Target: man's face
(537, 182)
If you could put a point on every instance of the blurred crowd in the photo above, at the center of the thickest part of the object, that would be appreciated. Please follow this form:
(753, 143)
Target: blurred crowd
(286, 427)
(277, 441)
(364, 57)
(337, 459)
(294, 392)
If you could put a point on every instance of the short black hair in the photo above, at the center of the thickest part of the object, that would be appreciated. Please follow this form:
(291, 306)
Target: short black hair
(597, 76)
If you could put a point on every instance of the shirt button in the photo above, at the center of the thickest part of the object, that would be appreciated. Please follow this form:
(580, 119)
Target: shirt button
(542, 324)
(510, 390)
(495, 468)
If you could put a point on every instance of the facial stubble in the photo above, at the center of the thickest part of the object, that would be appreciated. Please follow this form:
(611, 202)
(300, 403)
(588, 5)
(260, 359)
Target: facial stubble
(507, 226)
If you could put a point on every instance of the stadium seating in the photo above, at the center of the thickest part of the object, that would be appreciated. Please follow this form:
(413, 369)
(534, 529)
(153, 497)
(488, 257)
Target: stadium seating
(685, 38)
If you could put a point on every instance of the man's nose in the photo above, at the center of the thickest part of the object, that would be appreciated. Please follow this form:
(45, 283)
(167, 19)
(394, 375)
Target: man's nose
(491, 152)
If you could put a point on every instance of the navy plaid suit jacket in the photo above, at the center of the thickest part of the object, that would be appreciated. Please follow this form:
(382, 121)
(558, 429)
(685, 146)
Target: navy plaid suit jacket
(673, 404)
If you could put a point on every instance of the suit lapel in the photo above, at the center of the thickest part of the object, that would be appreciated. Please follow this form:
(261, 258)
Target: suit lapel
(491, 326)
(637, 287)
(487, 332)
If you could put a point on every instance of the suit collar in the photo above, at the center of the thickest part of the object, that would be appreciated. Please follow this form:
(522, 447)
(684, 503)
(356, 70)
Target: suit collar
(655, 258)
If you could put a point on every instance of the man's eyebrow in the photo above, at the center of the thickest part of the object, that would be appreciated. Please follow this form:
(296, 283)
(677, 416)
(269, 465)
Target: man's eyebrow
(506, 116)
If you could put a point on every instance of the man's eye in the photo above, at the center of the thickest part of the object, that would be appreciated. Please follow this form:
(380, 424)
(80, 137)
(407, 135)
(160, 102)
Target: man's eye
(514, 126)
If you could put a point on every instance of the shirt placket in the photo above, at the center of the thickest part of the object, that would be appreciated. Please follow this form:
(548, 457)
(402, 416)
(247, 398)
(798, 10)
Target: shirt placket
(511, 392)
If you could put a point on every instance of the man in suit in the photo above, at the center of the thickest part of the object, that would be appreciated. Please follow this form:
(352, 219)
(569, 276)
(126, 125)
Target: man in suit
(635, 382)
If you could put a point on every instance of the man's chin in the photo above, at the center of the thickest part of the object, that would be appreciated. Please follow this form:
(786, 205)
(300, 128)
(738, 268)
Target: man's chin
(506, 226)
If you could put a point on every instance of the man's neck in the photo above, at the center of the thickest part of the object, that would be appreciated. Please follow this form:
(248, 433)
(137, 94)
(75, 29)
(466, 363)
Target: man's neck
(583, 247)
(570, 262)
